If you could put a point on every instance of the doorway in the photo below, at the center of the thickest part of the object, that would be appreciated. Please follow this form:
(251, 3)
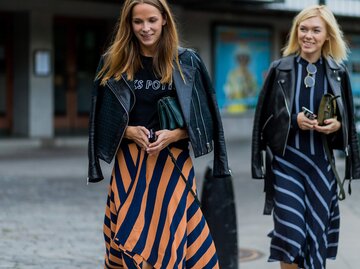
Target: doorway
(78, 45)
(6, 74)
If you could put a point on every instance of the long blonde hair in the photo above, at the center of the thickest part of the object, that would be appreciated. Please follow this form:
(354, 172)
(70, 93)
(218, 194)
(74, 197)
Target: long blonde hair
(123, 55)
(334, 47)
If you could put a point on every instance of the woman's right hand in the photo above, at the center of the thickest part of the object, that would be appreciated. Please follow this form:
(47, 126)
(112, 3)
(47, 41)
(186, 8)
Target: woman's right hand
(305, 123)
(138, 134)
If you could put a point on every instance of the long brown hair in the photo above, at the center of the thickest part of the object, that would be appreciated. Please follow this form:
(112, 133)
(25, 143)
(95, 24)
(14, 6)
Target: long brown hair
(335, 46)
(123, 55)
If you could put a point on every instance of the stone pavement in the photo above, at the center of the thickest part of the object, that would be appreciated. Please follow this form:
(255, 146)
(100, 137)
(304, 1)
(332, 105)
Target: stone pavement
(50, 218)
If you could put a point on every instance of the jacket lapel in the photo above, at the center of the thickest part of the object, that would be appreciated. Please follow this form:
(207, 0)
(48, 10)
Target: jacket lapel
(286, 77)
(184, 88)
(118, 88)
(332, 73)
(334, 78)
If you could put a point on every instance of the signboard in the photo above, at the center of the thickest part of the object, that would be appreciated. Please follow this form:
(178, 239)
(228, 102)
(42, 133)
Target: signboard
(42, 63)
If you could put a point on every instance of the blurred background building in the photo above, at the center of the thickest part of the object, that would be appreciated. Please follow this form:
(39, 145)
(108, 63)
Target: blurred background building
(49, 51)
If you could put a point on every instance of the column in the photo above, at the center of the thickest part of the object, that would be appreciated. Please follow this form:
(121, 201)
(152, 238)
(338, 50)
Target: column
(40, 81)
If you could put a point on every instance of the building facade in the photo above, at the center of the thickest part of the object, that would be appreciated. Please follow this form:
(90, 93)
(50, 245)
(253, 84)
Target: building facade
(49, 51)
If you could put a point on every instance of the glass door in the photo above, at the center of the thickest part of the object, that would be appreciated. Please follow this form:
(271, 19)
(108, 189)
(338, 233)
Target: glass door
(78, 46)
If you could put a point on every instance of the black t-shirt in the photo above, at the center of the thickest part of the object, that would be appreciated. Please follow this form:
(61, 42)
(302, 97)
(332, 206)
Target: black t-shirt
(148, 90)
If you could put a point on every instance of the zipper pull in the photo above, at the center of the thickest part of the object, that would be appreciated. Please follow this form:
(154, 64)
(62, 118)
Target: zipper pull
(208, 146)
(347, 151)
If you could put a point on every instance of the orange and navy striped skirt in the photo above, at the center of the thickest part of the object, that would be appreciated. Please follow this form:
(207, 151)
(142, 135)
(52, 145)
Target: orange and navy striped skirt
(151, 216)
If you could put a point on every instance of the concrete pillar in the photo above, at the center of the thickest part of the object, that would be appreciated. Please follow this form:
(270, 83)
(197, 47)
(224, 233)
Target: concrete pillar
(41, 95)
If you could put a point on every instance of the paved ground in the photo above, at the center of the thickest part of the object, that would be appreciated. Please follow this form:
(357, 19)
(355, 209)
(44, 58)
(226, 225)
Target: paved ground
(50, 218)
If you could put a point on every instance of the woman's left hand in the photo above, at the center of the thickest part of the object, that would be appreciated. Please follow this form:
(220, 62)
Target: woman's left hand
(331, 126)
(165, 138)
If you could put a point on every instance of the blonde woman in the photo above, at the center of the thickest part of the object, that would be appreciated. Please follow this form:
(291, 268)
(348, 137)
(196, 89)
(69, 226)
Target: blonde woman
(300, 180)
(152, 219)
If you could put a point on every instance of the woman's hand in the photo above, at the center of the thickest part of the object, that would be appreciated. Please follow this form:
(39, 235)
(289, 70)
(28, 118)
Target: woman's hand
(305, 123)
(138, 134)
(331, 126)
(165, 138)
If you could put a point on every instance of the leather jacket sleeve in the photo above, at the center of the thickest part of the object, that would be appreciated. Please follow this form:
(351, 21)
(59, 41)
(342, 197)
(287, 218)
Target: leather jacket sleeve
(257, 145)
(352, 167)
(94, 169)
(221, 167)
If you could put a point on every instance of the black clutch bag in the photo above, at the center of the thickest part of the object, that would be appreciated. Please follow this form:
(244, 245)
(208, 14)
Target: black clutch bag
(327, 108)
(170, 115)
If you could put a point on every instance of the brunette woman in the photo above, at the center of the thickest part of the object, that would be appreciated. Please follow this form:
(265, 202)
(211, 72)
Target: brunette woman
(152, 219)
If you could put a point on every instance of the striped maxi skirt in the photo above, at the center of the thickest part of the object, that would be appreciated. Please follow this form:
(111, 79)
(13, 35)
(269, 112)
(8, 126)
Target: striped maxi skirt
(306, 211)
(151, 216)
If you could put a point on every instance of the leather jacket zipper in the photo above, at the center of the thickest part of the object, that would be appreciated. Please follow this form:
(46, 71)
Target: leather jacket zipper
(197, 127)
(345, 126)
(265, 124)
(287, 109)
(202, 120)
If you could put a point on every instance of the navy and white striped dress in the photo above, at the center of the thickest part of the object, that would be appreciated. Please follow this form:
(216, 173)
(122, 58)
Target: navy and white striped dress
(306, 212)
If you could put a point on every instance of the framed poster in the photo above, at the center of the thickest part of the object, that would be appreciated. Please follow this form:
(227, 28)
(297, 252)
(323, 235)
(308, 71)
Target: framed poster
(242, 58)
(353, 65)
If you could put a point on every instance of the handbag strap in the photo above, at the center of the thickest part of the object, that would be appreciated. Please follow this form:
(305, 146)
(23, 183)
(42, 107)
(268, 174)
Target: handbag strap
(341, 194)
(188, 187)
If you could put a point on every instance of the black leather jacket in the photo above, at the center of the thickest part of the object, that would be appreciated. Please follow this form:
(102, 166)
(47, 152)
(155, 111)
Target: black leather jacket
(111, 105)
(272, 120)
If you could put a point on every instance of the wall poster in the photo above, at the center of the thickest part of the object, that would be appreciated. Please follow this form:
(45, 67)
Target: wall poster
(353, 65)
(242, 58)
